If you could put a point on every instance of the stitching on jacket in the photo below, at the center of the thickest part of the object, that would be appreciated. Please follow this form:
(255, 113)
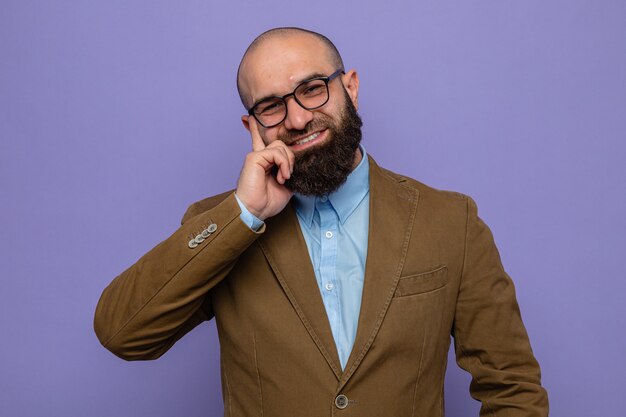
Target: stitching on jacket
(258, 374)
(405, 248)
(398, 293)
(419, 373)
(296, 306)
(457, 337)
(216, 234)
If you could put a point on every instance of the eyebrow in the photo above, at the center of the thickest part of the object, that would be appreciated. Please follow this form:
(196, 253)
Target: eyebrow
(296, 83)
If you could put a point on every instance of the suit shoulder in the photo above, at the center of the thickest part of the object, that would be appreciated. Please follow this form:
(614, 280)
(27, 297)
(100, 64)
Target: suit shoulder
(431, 194)
(205, 204)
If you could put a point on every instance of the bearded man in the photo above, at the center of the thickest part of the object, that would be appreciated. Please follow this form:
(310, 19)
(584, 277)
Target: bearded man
(335, 283)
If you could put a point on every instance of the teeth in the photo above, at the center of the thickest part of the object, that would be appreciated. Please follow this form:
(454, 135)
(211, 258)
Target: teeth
(308, 138)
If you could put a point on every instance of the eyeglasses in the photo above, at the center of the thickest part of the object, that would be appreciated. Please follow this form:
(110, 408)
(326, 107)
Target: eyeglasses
(310, 95)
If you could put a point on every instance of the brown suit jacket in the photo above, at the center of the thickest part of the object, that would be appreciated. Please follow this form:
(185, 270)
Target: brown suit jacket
(432, 271)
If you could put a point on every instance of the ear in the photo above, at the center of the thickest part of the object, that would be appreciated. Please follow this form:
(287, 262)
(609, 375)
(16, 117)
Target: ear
(351, 83)
(246, 123)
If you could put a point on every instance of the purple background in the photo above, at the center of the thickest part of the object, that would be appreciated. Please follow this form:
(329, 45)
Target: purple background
(114, 116)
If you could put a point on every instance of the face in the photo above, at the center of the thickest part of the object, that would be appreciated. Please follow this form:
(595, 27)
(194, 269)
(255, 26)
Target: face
(325, 140)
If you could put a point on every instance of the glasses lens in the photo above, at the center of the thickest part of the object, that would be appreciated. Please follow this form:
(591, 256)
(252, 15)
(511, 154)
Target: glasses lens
(312, 94)
(270, 112)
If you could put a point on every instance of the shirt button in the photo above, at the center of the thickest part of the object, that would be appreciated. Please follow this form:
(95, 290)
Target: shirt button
(324, 198)
(329, 234)
(329, 286)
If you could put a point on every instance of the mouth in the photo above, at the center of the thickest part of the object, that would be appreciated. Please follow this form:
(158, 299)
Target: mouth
(309, 140)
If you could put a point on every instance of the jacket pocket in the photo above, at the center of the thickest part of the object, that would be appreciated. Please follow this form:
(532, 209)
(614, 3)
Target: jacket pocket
(422, 283)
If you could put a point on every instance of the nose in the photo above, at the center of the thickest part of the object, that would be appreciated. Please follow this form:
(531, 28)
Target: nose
(297, 116)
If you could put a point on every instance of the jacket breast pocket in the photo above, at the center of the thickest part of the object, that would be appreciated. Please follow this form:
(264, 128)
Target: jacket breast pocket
(422, 283)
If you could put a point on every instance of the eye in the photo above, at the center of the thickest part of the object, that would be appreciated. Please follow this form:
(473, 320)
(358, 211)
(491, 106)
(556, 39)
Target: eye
(269, 107)
(311, 89)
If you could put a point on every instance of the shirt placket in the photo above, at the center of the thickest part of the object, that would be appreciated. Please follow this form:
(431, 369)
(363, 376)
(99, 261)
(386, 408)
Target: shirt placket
(330, 287)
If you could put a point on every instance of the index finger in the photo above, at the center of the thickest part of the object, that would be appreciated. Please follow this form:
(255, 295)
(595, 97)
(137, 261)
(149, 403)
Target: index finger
(257, 142)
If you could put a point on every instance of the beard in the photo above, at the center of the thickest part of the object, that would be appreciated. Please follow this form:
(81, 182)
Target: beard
(323, 169)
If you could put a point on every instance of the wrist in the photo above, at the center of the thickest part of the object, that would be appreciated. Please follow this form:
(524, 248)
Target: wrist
(249, 217)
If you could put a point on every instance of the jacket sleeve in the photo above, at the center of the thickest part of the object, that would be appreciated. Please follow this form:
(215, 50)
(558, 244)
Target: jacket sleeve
(160, 298)
(490, 339)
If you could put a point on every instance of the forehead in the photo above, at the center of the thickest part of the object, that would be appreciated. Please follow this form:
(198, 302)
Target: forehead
(278, 64)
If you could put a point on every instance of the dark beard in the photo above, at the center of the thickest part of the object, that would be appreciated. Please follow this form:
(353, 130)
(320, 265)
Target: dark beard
(322, 169)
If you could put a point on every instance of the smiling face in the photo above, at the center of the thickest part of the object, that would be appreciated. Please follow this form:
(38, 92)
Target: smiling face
(325, 140)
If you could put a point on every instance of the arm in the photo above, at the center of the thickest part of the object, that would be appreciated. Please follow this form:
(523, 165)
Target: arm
(156, 301)
(490, 339)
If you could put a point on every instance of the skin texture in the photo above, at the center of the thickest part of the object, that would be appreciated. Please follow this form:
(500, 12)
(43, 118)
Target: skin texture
(276, 67)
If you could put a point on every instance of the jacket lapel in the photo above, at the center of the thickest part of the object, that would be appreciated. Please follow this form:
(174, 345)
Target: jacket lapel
(392, 213)
(288, 256)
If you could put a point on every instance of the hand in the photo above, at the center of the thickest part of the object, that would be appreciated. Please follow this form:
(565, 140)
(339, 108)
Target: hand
(263, 194)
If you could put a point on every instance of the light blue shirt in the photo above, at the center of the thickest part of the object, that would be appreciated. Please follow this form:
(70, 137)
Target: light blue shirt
(335, 228)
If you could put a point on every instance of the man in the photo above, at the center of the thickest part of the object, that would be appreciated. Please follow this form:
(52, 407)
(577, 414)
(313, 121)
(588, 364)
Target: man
(335, 284)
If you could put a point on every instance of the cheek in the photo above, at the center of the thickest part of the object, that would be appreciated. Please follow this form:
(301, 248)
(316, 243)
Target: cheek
(270, 135)
(336, 108)
(329, 114)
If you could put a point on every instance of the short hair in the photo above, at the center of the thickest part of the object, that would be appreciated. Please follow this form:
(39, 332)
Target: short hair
(333, 52)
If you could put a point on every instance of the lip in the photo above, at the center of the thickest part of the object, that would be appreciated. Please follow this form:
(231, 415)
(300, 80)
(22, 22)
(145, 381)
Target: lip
(323, 134)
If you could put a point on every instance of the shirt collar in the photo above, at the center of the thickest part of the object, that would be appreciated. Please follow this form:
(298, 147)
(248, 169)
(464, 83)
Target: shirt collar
(345, 199)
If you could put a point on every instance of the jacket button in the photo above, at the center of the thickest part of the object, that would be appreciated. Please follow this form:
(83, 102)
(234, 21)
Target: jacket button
(192, 244)
(341, 401)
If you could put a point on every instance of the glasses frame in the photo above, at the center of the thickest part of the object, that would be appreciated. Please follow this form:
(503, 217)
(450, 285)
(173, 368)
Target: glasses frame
(293, 93)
